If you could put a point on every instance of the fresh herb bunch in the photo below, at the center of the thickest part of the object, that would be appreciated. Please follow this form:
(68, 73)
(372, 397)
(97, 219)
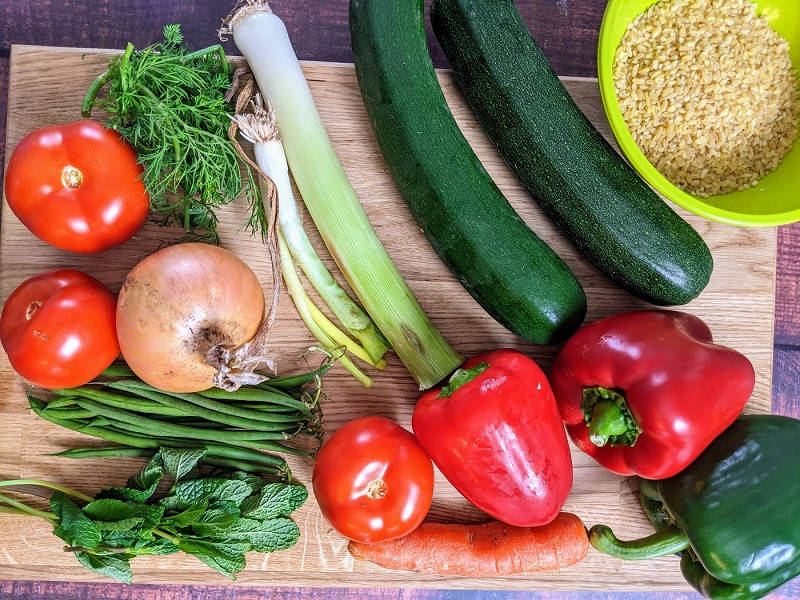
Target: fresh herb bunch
(169, 103)
(218, 518)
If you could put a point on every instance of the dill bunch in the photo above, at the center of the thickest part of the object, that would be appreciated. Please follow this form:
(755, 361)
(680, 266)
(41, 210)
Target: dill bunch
(169, 103)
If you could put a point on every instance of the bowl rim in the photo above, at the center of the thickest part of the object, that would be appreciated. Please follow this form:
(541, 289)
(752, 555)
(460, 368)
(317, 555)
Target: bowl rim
(644, 167)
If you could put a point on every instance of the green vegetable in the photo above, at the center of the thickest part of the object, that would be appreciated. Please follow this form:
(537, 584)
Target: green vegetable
(733, 513)
(330, 199)
(170, 104)
(231, 428)
(217, 519)
(261, 129)
(577, 178)
(513, 274)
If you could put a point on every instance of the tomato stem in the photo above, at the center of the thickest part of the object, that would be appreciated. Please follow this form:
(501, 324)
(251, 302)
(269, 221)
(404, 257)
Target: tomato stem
(71, 177)
(377, 489)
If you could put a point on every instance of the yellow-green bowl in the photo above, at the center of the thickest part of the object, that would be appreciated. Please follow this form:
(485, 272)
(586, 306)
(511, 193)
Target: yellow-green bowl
(775, 200)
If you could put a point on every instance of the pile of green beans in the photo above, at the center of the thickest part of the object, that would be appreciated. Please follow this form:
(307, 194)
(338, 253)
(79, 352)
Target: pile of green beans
(244, 430)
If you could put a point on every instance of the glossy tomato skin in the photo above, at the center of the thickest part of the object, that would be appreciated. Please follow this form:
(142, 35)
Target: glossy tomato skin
(350, 470)
(77, 187)
(58, 329)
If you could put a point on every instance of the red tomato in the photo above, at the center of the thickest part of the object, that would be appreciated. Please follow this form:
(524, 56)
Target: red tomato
(77, 187)
(58, 329)
(373, 481)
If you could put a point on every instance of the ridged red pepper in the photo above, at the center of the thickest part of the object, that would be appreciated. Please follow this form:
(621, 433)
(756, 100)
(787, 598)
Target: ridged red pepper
(495, 433)
(645, 392)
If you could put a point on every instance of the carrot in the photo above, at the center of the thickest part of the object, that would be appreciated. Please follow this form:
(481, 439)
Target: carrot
(484, 550)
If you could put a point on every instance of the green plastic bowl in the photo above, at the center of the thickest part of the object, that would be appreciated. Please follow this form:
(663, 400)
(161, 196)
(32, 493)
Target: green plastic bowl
(776, 198)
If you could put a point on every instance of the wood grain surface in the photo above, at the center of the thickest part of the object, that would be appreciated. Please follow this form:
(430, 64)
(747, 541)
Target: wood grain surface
(567, 30)
(46, 87)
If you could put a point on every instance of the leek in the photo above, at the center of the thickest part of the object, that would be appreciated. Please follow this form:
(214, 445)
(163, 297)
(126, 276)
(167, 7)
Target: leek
(330, 199)
(259, 128)
(319, 328)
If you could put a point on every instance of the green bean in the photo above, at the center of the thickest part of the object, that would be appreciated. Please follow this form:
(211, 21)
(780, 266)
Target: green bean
(189, 409)
(298, 380)
(196, 405)
(240, 465)
(62, 402)
(269, 446)
(105, 452)
(118, 370)
(147, 406)
(69, 413)
(188, 422)
(153, 427)
(257, 395)
(269, 408)
(116, 452)
(139, 441)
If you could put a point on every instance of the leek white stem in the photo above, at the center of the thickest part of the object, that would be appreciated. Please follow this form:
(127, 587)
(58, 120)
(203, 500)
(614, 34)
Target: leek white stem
(260, 129)
(263, 40)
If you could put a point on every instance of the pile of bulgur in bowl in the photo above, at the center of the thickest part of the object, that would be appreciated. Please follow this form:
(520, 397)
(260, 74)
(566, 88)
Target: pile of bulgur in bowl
(708, 92)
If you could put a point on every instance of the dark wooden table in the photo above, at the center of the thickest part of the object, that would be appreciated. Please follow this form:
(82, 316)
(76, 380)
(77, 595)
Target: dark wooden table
(566, 30)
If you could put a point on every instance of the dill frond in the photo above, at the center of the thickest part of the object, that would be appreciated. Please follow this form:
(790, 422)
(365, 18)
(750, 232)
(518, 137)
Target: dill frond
(169, 103)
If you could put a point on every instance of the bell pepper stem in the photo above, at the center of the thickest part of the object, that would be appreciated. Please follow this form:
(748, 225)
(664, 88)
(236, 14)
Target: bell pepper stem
(462, 377)
(607, 420)
(667, 541)
(649, 489)
(608, 417)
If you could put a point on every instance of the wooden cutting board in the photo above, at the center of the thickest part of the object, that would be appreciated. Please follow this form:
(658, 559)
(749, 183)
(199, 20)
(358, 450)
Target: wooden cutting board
(46, 88)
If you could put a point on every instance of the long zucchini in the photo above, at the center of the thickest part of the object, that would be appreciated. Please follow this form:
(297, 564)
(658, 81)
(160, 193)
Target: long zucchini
(578, 179)
(513, 274)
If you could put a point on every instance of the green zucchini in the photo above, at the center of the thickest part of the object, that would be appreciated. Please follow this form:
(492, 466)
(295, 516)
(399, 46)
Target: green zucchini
(512, 274)
(583, 185)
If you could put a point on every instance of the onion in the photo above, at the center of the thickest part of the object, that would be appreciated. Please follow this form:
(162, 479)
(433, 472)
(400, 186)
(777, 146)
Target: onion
(183, 312)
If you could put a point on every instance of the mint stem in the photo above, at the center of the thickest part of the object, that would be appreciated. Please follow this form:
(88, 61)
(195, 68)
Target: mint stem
(24, 508)
(49, 485)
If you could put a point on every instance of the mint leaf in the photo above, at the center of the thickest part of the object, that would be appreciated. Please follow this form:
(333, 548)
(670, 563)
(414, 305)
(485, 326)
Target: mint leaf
(254, 481)
(121, 525)
(140, 487)
(108, 509)
(185, 518)
(74, 527)
(275, 500)
(119, 539)
(189, 493)
(115, 565)
(150, 475)
(179, 462)
(227, 558)
(216, 520)
(156, 546)
(132, 494)
(233, 490)
(265, 536)
(110, 514)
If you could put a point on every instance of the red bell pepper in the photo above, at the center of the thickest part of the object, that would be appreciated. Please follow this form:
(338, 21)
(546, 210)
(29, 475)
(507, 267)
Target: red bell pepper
(645, 392)
(495, 433)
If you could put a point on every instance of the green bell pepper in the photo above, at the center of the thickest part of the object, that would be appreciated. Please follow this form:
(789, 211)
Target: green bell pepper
(733, 514)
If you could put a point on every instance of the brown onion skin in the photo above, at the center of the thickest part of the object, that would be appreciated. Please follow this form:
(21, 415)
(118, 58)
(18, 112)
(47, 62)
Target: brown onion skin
(178, 303)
